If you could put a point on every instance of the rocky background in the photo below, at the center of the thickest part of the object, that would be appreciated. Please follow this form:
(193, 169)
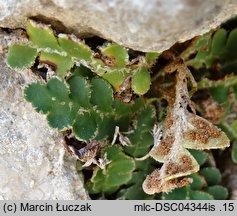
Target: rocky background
(33, 160)
(139, 24)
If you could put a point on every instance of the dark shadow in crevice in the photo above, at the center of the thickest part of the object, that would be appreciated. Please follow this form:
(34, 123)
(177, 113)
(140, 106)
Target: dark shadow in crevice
(54, 23)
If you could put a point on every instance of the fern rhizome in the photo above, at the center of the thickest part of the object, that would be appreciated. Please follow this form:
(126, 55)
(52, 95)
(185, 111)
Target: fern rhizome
(129, 117)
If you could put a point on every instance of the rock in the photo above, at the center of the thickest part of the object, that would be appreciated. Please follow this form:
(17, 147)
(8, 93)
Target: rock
(141, 25)
(33, 160)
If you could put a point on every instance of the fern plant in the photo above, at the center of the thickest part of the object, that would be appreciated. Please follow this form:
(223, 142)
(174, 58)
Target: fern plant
(215, 53)
(63, 51)
(95, 97)
(205, 185)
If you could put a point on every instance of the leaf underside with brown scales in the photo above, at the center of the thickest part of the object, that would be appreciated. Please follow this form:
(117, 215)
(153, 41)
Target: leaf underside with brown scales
(182, 130)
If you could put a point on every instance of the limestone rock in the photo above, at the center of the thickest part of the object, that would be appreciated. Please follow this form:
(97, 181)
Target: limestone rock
(33, 160)
(153, 25)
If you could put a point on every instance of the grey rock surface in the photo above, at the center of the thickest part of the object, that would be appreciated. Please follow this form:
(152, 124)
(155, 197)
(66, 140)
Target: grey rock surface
(33, 160)
(153, 25)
